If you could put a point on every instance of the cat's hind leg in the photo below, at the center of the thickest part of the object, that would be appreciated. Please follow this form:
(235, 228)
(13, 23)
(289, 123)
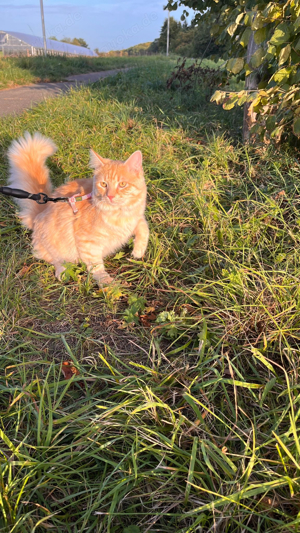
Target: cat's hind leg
(41, 253)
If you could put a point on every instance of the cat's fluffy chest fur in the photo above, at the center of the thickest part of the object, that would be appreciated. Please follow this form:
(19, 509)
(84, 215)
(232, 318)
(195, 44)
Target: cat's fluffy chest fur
(102, 225)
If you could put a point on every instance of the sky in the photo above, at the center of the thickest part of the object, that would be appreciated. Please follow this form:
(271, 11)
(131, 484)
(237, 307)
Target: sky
(104, 24)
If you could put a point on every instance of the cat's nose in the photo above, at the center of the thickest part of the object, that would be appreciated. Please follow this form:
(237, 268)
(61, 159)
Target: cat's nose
(110, 197)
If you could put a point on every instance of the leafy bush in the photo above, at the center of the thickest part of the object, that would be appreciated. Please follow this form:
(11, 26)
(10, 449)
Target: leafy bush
(275, 28)
(185, 77)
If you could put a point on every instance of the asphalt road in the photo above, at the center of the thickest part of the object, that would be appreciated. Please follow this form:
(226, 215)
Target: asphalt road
(14, 101)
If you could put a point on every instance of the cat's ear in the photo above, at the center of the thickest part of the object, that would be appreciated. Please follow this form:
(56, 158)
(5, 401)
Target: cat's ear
(96, 160)
(134, 163)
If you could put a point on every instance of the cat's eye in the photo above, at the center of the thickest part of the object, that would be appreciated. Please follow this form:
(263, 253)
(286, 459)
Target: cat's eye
(122, 184)
(103, 184)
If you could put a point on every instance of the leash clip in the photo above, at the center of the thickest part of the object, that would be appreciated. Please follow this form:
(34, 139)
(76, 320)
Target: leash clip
(43, 199)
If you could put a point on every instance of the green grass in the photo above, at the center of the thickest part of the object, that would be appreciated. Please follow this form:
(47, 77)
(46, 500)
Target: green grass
(16, 71)
(185, 414)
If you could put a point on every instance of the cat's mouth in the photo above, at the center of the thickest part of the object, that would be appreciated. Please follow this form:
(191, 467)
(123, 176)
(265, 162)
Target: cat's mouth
(113, 201)
(107, 202)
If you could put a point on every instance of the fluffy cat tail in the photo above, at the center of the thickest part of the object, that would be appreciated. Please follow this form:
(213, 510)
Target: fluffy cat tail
(28, 171)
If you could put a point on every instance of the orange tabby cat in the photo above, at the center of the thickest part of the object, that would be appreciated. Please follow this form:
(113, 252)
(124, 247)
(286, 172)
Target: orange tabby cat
(102, 225)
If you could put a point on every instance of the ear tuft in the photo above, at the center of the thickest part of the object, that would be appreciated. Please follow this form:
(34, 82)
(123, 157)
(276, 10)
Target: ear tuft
(96, 161)
(135, 161)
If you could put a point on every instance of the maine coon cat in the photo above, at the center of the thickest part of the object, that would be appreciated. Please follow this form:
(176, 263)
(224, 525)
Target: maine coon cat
(103, 223)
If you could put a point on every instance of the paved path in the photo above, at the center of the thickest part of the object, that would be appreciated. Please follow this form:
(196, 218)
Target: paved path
(16, 100)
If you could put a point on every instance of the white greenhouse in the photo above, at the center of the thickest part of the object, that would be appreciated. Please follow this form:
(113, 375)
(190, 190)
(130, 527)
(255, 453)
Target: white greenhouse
(15, 43)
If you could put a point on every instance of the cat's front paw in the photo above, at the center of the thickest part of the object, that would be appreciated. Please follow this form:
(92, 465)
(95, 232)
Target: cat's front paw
(59, 269)
(138, 252)
(103, 278)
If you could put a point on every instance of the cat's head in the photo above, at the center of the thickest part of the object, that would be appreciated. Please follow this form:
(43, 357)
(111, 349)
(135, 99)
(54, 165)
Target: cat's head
(118, 183)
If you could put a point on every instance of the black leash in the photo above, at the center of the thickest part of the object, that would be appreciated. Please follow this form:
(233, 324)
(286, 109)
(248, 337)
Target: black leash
(39, 198)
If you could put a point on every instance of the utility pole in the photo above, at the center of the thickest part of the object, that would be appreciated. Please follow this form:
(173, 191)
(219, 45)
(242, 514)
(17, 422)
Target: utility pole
(43, 26)
(168, 33)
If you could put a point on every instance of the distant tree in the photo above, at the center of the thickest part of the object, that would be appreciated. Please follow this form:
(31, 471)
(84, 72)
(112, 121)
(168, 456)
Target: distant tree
(97, 51)
(183, 43)
(175, 29)
(138, 50)
(193, 40)
(80, 42)
(77, 42)
(154, 47)
(204, 44)
(53, 38)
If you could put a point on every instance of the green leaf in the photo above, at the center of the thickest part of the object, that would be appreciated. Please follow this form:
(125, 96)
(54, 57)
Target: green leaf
(235, 65)
(297, 24)
(230, 103)
(272, 12)
(244, 384)
(257, 58)
(243, 97)
(284, 54)
(280, 257)
(132, 529)
(215, 29)
(271, 51)
(267, 389)
(281, 34)
(248, 69)
(247, 20)
(281, 75)
(245, 37)
(239, 18)
(296, 45)
(286, 449)
(260, 35)
(136, 305)
(271, 123)
(119, 255)
(258, 22)
(232, 28)
(256, 129)
(263, 359)
(277, 132)
(296, 77)
(218, 97)
(296, 7)
(71, 272)
(191, 470)
(296, 126)
(262, 84)
(193, 405)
